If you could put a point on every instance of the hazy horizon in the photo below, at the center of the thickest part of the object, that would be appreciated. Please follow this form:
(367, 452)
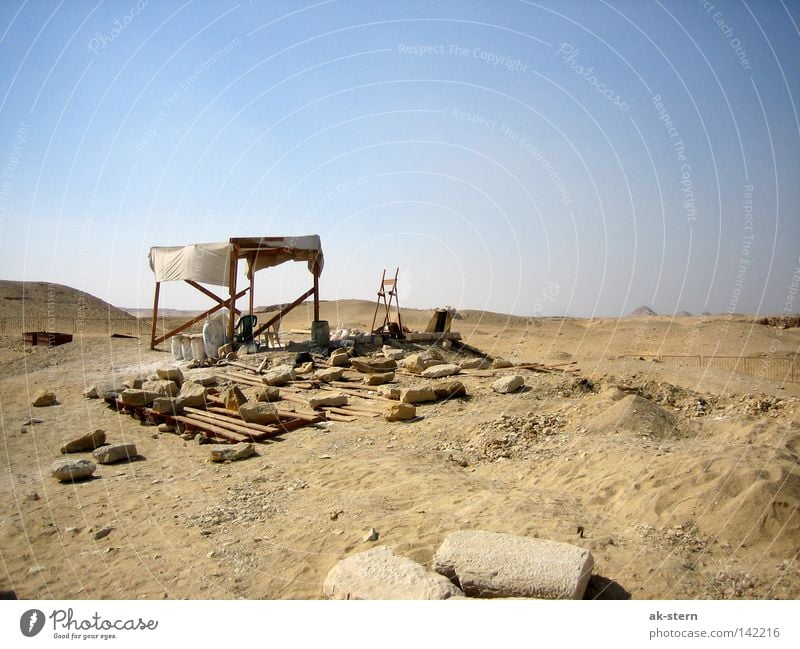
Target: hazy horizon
(557, 158)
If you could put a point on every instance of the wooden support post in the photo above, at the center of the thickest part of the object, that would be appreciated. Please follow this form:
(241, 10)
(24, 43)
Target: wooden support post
(251, 269)
(233, 270)
(316, 292)
(155, 317)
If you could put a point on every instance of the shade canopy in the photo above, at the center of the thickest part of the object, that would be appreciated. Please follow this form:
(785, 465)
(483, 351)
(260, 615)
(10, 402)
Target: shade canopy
(209, 263)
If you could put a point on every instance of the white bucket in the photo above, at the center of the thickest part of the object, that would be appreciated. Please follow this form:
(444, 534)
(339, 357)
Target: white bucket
(198, 349)
(186, 347)
(177, 348)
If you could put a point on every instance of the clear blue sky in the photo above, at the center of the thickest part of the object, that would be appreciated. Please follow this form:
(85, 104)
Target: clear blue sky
(510, 156)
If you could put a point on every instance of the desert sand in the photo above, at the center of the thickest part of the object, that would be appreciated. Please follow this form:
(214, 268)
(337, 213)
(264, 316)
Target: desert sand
(674, 499)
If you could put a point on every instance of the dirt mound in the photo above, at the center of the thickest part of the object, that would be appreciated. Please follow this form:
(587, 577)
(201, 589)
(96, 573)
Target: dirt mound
(638, 416)
(49, 300)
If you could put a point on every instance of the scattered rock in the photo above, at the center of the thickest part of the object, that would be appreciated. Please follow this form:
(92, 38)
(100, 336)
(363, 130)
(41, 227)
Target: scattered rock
(417, 394)
(501, 363)
(133, 383)
(475, 364)
(370, 536)
(114, 453)
(508, 384)
(233, 397)
(92, 392)
(373, 365)
(379, 379)
(400, 412)
(206, 380)
(167, 406)
(420, 361)
(222, 352)
(44, 399)
(32, 497)
(68, 470)
(440, 371)
(393, 353)
(334, 399)
(166, 428)
(164, 388)
(339, 358)
(304, 368)
(389, 392)
(138, 397)
(488, 564)
(269, 393)
(102, 533)
(192, 395)
(379, 574)
(169, 373)
(329, 374)
(200, 439)
(87, 442)
(450, 390)
(259, 412)
(280, 375)
(232, 453)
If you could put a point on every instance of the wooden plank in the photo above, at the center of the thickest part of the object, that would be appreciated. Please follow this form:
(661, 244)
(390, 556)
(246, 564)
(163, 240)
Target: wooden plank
(357, 413)
(191, 322)
(232, 422)
(205, 291)
(210, 428)
(332, 416)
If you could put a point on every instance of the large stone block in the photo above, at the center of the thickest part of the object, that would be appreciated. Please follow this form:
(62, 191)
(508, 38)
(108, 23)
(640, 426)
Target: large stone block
(508, 384)
(68, 470)
(258, 412)
(166, 388)
(400, 412)
(192, 395)
(169, 373)
(333, 399)
(329, 374)
(439, 371)
(114, 453)
(278, 376)
(382, 575)
(87, 442)
(417, 394)
(136, 397)
(489, 564)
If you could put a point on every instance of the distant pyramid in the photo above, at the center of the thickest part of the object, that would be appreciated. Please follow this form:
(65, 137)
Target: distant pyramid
(683, 314)
(641, 312)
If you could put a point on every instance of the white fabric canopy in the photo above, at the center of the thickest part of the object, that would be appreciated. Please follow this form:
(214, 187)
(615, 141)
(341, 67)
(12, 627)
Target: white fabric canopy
(277, 250)
(208, 263)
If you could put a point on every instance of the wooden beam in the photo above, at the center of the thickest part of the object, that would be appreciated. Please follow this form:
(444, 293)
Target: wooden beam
(205, 291)
(252, 262)
(155, 316)
(195, 320)
(282, 313)
(233, 269)
(316, 293)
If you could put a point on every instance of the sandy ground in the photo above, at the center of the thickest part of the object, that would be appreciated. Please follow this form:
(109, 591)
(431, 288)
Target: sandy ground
(673, 503)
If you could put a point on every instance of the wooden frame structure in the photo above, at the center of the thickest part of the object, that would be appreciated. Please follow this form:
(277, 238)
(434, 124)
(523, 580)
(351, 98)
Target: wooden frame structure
(259, 252)
(391, 285)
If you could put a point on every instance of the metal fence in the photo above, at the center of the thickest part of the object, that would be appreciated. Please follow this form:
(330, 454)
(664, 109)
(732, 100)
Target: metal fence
(128, 326)
(765, 367)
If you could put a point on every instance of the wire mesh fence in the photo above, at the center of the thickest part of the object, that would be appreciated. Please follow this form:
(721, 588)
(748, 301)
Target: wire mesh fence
(765, 367)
